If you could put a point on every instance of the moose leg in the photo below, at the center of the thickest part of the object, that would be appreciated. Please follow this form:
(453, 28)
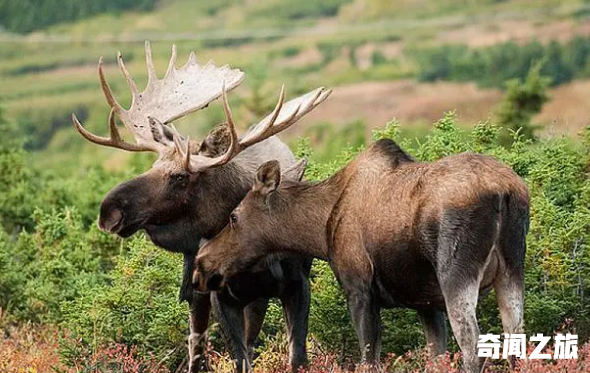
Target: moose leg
(231, 321)
(200, 307)
(435, 329)
(254, 314)
(461, 305)
(296, 301)
(466, 240)
(510, 298)
(509, 283)
(354, 270)
(366, 318)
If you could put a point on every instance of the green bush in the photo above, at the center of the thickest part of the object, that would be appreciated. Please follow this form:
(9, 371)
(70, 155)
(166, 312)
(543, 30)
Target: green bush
(136, 305)
(40, 271)
(522, 101)
(294, 9)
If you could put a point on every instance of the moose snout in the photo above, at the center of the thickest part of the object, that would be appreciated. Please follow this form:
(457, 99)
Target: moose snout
(205, 278)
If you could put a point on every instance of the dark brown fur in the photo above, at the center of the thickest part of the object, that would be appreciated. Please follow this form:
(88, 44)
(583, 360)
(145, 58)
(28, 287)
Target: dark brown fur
(430, 236)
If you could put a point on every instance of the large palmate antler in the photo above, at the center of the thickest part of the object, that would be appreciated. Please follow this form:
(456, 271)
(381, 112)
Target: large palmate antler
(179, 93)
(281, 118)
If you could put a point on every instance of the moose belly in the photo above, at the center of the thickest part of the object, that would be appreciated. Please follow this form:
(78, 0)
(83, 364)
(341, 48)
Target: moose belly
(403, 278)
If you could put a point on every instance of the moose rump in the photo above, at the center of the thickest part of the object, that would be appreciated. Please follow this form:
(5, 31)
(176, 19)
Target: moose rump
(436, 237)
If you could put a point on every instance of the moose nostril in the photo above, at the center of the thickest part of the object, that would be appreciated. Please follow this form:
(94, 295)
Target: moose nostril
(109, 222)
(214, 282)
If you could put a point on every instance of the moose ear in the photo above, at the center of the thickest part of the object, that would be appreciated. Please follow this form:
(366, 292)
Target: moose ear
(296, 171)
(216, 142)
(268, 177)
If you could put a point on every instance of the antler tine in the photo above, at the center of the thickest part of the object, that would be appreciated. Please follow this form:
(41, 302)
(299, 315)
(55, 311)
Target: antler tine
(108, 94)
(274, 115)
(229, 154)
(172, 62)
(177, 138)
(114, 141)
(187, 158)
(297, 113)
(268, 127)
(192, 59)
(271, 128)
(150, 63)
(127, 75)
(200, 162)
(302, 105)
(113, 130)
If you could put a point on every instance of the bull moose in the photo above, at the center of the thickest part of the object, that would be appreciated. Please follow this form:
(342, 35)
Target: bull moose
(397, 232)
(191, 189)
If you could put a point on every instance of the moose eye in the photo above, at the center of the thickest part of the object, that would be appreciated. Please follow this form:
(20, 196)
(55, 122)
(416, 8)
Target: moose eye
(179, 178)
(233, 219)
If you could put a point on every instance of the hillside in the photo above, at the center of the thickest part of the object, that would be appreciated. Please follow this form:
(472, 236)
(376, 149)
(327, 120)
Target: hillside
(344, 44)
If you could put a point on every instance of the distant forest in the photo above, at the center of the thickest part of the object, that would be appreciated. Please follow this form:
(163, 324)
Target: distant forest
(23, 16)
(493, 66)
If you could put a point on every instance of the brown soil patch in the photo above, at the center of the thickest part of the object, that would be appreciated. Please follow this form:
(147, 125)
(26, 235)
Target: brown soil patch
(407, 100)
(306, 57)
(411, 102)
(522, 31)
(568, 110)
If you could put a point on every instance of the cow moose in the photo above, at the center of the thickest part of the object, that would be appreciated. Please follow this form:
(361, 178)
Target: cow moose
(190, 190)
(397, 232)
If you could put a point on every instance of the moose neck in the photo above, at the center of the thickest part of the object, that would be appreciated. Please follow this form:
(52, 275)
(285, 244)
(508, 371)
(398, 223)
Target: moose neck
(222, 190)
(310, 208)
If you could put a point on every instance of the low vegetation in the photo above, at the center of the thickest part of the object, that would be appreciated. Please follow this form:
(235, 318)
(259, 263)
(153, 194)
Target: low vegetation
(97, 291)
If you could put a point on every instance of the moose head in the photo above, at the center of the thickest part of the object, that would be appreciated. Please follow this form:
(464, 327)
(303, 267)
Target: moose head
(262, 225)
(190, 189)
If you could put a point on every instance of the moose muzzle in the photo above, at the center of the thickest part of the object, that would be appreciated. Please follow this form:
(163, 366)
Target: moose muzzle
(206, 279)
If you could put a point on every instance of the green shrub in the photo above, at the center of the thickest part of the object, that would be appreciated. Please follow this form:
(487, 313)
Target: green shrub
(294, 9)
(378, 58)
(137, 304)
(523, 100)
(41, 270)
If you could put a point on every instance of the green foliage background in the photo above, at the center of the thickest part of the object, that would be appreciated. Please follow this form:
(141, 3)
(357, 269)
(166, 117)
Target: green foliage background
(493, 66)
(29, 15)
(57, 267)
